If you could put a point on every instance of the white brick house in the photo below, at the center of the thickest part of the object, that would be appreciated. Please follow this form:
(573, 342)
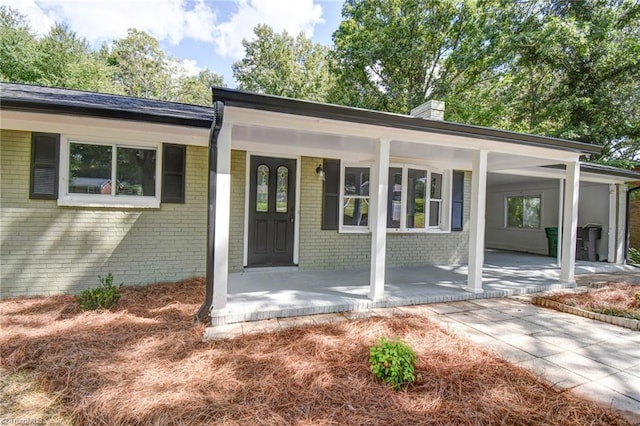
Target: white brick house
(397, 190)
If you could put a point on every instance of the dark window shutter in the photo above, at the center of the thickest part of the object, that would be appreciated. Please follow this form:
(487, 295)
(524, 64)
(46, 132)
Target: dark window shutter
(331, 194)
(457, 197)
(174, 159)
(45, 153)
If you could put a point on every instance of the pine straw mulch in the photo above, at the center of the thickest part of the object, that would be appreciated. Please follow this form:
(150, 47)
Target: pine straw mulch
(614, 298)
(144, 363)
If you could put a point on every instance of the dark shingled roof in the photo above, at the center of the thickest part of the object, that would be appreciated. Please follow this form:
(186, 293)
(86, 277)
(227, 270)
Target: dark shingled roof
(65, 101)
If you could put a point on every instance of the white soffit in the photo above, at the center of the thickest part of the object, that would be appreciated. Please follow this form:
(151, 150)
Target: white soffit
(290, 124)
(104, 128)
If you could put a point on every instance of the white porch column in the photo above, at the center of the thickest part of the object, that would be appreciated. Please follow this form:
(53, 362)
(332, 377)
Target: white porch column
(560, 217)
(572, 189)
(223, 206)
(621, 232)
(378, 218)
(476, 230)
(613, 217)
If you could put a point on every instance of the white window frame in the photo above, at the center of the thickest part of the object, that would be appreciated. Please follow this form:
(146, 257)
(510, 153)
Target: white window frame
(522, 195)
(353, 228)
(445, 201)
(119, 201)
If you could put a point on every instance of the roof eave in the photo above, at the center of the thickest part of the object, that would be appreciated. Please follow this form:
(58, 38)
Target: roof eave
(87, 111)
(277, 104)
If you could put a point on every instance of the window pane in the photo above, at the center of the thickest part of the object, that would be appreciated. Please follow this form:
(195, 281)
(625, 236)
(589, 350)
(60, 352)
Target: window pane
(395, 197)
(89, 169)
(417, 183)
(531, 212)
(262, 189)
(434, 213)
(136, 172)
(355, 211)
(356, 181)
(436, 186)
(514, 212)
(282, 189)
(523, 212)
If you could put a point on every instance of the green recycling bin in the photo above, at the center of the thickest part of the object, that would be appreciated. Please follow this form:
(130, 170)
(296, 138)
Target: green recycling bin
(552, 240)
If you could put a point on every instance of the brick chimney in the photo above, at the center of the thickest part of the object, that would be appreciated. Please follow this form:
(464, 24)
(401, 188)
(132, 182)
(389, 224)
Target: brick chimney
(430, 110)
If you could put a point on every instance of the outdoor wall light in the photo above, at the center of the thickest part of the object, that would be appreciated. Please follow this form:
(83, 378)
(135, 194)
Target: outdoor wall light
(320, 171)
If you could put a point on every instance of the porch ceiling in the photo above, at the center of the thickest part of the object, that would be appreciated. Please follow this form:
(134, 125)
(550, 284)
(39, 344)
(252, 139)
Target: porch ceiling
(322, 143)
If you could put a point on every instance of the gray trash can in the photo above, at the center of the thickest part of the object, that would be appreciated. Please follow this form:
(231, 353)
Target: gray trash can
(588, 237)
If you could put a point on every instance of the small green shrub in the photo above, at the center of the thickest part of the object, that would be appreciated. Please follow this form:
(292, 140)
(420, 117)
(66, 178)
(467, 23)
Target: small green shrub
(393, 362)
(104, 296)
(637, 297)
(634, 256)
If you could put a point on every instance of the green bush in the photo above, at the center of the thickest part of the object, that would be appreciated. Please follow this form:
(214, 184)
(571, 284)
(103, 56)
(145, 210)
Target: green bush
(634, 256)
(393, 362)
(105, 296)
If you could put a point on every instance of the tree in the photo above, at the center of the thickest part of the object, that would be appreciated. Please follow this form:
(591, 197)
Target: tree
(197, 89)
(18, 48)
(279, 64)
(393, 55)
(574, 73)
(67, 60)
(140, 66)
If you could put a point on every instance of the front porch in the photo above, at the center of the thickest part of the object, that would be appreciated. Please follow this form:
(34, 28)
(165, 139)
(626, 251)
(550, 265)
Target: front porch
(275, 293)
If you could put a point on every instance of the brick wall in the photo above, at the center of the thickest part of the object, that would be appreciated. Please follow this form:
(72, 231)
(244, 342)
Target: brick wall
(329, 249)
(236, 219)
(48, 249)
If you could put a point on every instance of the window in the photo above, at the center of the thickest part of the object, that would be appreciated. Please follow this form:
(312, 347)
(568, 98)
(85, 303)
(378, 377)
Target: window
(418, 199)
(523, 211)
(103, 174)
(435, 200)
(355, 198)
(412, 204)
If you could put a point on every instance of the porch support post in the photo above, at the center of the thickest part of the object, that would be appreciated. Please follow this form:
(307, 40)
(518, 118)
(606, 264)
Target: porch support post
(378, 219)
(560, 217)
(223, 206)
(613, 217)
(572, 189)
(476, 230)
(622, 220)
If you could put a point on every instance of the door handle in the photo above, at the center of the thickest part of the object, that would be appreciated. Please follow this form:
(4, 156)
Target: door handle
(291, 219)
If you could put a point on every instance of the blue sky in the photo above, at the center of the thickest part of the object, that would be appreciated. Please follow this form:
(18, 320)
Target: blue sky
(201, 33)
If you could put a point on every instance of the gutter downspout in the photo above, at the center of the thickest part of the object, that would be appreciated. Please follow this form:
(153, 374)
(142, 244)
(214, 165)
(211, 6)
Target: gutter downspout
(203, 313)
(628, 224)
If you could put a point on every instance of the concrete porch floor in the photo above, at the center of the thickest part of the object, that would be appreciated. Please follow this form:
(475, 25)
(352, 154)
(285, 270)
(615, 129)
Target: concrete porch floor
(277, 293)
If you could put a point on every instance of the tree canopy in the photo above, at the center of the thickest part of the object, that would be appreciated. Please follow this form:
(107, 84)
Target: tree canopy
(134, 65)
(282, 65)
(562, 68)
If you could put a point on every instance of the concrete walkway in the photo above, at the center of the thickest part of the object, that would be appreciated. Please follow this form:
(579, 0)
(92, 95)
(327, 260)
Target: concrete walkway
(596, 360)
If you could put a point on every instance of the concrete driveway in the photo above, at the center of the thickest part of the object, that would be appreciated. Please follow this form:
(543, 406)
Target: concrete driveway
(596, 360)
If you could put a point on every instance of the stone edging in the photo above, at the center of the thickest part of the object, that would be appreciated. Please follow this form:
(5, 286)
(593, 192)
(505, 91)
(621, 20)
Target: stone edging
(629, 323)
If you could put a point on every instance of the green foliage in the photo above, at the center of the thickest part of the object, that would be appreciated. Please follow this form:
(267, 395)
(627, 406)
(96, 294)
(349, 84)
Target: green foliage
(279, 64)
(637, 297)
(393, 362)
(104, 296)
(634, 256)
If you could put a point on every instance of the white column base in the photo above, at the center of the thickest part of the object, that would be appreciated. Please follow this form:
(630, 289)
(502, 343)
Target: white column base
(474, 290)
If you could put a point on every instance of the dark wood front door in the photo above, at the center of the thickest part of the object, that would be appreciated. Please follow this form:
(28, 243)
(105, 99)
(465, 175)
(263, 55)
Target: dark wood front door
(272, 206)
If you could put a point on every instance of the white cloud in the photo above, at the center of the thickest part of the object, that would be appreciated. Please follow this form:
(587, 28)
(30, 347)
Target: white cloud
(39, 21)
(172, 20)
(290, 15)
(187, 67)
(105, 20)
